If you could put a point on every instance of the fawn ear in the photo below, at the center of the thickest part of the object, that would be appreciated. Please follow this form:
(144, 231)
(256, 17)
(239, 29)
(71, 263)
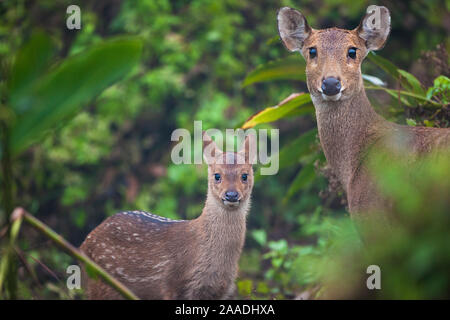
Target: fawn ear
(375, 27)
(210, 150)
(249, 148)
(293, 28)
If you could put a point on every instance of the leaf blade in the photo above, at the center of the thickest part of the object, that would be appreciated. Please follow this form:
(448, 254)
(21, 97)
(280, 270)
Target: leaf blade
(285, 108)
(290, 68)
(64, 90)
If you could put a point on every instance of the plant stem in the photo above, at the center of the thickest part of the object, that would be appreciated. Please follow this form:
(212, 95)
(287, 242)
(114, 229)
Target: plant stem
(10, 275)
(47, 231)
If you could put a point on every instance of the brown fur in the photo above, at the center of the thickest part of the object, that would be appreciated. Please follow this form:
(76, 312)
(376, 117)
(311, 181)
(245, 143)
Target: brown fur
(158, 258)
(349, 126)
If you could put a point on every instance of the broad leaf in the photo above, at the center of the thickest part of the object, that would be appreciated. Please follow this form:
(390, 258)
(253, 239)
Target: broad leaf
(30, 62)
(405, 94)
(384, 64)
(291, 68)
(414, 84)
(285, 108)
(407, 80)
(300, 147)
(61, 93)
(303, 179)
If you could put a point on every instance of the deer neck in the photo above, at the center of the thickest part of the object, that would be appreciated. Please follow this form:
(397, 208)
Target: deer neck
(346, 128)
(222, 233)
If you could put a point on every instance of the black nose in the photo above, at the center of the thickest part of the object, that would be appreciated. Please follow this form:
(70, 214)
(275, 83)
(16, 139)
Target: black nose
(231, 196)
(331, 86)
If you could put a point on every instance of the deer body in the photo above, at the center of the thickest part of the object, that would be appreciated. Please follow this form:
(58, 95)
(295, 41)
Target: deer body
(348, 125)
(159, 258)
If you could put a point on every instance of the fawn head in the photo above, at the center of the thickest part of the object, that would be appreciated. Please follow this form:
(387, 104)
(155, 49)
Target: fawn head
(230, 174)
(333, 56)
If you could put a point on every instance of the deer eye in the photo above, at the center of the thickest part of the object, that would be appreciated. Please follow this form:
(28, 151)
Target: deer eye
(352, 53)
(217, 177)
(244, 177)
(312, 53)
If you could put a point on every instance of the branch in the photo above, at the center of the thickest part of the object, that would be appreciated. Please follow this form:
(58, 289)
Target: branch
(20, 213)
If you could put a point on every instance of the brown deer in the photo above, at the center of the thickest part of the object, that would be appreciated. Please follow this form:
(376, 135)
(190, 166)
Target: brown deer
(159, 258)
(348, 125)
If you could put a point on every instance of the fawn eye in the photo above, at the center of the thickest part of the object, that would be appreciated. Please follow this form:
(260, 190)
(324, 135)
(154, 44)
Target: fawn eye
(312, 53)
(217, 176)
(352, 53)
(244, 177)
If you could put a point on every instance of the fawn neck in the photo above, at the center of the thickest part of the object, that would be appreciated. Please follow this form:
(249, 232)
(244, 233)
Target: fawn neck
(223, 229)
(346, 128)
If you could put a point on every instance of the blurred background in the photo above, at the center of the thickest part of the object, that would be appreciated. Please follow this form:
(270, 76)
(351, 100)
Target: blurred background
(114, 152)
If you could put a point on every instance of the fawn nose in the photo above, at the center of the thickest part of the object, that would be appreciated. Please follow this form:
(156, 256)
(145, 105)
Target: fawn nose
(231, 196)
(331, 86)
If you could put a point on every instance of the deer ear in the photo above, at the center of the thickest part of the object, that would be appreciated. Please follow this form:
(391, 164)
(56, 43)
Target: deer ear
(210, 149)
(375, 27)
(293, 28)
(249, 148)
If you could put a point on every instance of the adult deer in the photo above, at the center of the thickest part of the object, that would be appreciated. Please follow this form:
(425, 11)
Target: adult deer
(159, 258)
(348, 125)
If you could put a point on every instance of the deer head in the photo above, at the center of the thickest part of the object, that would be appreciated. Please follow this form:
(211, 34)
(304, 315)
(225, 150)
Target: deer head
(334, 56)
(230, 174)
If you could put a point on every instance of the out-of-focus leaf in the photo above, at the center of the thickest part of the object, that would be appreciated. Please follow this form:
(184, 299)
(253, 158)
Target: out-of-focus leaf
(60, 94)
(303, 179)
(384, 64)
(403, 94)
(374, 80)
(260, 236)
(300, 147)
(407, 80)
(277, 112)
(245, 287)
(414, 84)
(30, 62)
(291, 68)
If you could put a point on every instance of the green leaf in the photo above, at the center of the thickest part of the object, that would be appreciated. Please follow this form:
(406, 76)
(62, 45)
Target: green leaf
(414, 84)
(91, 272)
(290, 68)
(260, 236)
(384, 64)
(411, 122)
(303, 179)
(277, 112)
(300, 147)
(262, 288)
(407, 80)
(403, 94)
(61, 93)
(279, 246)
(245, 287)
(30, 62)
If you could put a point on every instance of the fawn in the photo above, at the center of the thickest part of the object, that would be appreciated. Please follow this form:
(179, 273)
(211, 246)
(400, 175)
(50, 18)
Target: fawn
(159, 258)
(348, 126)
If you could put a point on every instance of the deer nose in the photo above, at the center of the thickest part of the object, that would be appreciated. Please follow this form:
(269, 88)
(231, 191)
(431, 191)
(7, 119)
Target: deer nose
(331, 86)
(231, 196)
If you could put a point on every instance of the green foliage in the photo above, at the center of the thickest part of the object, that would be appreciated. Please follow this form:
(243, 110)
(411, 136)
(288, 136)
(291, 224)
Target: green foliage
(56, 96)
(290, 68)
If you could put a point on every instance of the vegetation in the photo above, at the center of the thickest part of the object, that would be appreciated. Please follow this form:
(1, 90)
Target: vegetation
(86, 117)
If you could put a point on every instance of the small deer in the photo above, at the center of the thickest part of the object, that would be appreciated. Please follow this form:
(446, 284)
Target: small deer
(159, 258)
(348, 125)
